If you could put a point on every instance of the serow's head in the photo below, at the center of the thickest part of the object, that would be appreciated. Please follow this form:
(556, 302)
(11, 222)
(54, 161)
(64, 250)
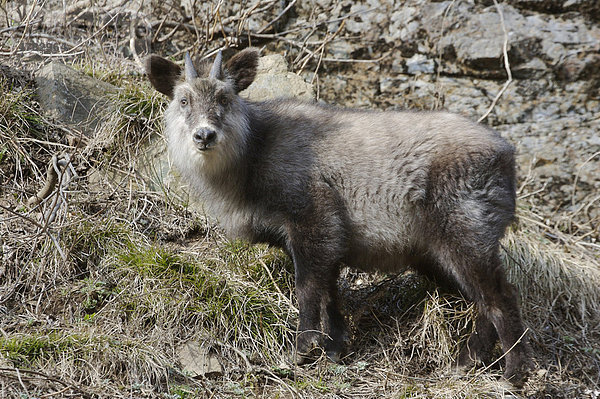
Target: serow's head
(205, 114)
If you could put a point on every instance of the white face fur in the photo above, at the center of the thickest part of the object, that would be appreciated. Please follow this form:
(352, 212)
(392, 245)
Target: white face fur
(212, 105)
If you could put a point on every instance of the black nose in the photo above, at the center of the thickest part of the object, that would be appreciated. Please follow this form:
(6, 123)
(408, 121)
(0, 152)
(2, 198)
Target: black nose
(204, 136)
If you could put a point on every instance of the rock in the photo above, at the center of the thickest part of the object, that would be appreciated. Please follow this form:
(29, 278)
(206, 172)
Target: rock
(553, 52)
(341, 50)
(535, 68)
(579, 66)
(271, 64)
(419, 63)
(587, 172)
(386, 84)
(365, 20)
(402, 25)
(273, 80)
(478, 38)
(594, 141)
(590, 9)
(471, 39)
(72, 97)
(197, 361)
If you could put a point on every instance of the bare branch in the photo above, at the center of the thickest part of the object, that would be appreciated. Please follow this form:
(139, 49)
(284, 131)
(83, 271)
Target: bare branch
(506, 65)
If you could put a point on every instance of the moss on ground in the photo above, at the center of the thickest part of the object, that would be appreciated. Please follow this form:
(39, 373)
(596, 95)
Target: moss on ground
(31, 349)
(208, 293)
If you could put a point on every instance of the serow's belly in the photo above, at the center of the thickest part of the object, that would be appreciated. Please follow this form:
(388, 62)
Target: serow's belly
(372, 258)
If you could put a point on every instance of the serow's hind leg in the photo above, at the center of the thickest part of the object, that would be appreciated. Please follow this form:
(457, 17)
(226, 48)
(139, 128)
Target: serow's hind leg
(484, 281)
(501, 308)
(477, 350)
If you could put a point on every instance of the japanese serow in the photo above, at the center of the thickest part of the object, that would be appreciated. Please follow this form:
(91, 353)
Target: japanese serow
(367, 189)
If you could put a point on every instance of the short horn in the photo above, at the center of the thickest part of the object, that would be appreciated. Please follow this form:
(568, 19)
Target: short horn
(190, 72)
(215, 71)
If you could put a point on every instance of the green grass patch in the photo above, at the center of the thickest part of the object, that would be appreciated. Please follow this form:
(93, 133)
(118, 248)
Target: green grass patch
(20, 122)
(139, 100)
(26, 349)
(268, 267)
(133, 121)
(157, 262)
(204, 293)
(88, 242)
(16, 111)
(95, 294)
(184, 392)
(3, 152)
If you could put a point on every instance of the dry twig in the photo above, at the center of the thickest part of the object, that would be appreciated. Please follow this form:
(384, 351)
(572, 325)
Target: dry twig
(22, 374)
(506, 65)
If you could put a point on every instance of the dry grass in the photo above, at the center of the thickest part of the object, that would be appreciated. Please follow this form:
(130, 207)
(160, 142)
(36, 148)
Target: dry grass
(98, 302)
(560, 296)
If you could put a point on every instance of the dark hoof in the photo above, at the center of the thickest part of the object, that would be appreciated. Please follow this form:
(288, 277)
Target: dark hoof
(476, 351)
(308, 349)
(517, 375)
(335, 349)
(334, 356)
(316, 354)
(466, 360)
(309, 357)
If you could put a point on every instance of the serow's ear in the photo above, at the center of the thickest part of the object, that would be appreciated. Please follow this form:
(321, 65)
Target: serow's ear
(242, 68)
(163, 74)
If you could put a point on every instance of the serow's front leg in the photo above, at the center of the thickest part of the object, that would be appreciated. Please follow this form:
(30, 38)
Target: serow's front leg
(316, 244)
(321, 326)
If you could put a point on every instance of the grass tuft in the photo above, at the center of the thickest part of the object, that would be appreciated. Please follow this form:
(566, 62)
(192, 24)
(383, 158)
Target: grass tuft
(216, 300)
(132, 123)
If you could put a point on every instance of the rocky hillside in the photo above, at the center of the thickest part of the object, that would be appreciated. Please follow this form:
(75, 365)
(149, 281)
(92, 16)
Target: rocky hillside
(113, 283)
(460, 56)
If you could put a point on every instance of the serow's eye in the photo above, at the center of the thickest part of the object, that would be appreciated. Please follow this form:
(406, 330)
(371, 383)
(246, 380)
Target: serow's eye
(222, 100)
(183, 102)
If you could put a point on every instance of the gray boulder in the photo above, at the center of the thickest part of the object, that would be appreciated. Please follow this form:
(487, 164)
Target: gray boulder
(274, 80)
(73, 97)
